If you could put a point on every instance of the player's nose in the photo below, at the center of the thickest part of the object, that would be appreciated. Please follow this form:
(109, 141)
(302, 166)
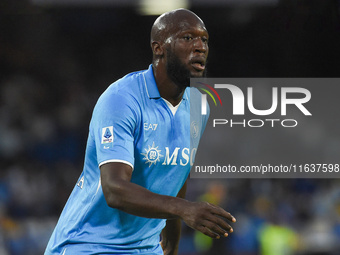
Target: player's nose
(200, 46)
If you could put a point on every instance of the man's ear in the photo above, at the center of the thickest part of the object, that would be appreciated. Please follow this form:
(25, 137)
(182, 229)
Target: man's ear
(157, 48)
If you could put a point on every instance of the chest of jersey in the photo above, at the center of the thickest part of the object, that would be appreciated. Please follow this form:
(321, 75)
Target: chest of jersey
(164, 150)
(164, 138)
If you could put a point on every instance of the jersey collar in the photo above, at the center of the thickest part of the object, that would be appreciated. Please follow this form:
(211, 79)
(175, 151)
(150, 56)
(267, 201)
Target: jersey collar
(151, 86)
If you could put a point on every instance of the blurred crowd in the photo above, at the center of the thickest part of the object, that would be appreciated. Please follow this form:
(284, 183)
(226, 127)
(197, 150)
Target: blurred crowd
(41, 148)
(281, 216)
(51, 76)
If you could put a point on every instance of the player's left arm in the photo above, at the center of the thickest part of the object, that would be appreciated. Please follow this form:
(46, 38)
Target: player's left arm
(172, 231)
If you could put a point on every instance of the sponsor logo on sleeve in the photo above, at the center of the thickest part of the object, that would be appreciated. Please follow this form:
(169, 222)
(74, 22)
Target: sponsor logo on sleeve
(107, 136)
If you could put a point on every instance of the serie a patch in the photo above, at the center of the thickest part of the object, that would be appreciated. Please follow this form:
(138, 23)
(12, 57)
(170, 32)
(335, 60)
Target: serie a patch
(107, 135)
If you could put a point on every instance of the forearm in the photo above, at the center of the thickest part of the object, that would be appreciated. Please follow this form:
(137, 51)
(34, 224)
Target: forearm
(134, 199)
(131, 198)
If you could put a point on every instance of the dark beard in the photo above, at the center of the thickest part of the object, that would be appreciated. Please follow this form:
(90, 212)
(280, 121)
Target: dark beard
(178, 72)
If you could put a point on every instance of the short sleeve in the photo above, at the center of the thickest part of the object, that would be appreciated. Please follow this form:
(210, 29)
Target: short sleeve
(112, 126)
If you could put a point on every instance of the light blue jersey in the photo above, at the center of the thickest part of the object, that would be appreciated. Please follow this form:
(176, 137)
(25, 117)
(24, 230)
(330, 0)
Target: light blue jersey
(132, 124)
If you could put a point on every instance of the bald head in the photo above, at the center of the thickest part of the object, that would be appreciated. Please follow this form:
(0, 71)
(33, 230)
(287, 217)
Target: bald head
(179, 42)
(171, 22)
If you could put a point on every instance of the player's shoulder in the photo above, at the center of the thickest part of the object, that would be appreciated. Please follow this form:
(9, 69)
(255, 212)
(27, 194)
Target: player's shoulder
(129, 84)
(193, 93)
(196, 100)
(121, 97)
(127, 88)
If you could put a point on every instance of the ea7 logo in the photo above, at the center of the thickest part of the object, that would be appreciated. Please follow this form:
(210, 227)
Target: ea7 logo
(239, 98)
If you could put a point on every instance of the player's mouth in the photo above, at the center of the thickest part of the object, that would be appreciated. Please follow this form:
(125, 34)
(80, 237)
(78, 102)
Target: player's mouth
(198, 64)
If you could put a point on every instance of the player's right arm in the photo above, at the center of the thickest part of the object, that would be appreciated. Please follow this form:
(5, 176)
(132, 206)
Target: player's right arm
(115, 121)
(131, 198)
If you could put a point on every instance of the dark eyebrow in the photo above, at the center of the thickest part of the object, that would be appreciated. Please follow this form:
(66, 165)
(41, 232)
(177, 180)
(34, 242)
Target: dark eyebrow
(192, 31)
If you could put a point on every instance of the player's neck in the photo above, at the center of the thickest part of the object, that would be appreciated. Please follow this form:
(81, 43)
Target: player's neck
(166, 87)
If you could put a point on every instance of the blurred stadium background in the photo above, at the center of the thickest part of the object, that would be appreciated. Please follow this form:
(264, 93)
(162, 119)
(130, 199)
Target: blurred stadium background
(58, 56)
